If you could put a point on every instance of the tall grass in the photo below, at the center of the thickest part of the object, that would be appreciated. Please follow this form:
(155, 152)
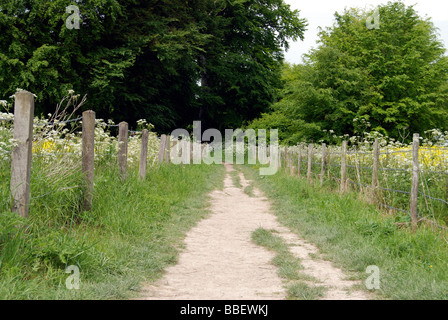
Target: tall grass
(131, 235)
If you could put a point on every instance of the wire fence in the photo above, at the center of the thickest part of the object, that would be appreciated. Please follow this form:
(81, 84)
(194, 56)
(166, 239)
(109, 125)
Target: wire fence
(386, 176)
(57, 122)
(61, 162)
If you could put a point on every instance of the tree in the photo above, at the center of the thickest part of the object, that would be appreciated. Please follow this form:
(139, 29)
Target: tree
(240, 68)
(145, 58)
(393, 77)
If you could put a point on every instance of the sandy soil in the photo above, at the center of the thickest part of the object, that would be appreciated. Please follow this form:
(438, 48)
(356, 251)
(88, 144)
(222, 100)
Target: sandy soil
(220, 261)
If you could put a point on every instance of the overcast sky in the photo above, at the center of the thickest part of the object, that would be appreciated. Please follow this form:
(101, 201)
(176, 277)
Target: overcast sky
(320, 13)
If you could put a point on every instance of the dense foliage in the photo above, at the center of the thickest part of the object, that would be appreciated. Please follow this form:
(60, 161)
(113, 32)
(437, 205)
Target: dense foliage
(167, 61)
(392, 80)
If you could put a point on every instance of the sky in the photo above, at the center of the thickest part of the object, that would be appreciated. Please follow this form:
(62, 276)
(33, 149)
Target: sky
(320, 13)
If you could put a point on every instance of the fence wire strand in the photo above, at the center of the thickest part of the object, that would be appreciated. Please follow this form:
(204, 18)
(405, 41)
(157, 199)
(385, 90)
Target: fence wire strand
(57, 122)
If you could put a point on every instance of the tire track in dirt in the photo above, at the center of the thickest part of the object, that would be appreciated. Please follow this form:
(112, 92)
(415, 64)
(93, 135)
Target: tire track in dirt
(220, 261)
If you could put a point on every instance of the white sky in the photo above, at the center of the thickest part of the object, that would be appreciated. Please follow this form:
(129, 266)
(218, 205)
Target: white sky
(320, 13)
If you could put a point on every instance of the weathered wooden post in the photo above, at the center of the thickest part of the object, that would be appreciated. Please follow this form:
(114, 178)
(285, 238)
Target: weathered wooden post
(176, 147)
(167, 149)
(292, 170)
(143, 154)
(344, 167)
(310, 162)
(299, 162)
(22, 152)
(323, 168)
(88, 155)
(414, 189)
(376, 159)
(191, 142)
(123, 148)
(280, 157)
(162, 148)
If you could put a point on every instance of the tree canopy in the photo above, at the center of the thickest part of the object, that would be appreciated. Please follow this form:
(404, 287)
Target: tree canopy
(391, 79)
(167, 61)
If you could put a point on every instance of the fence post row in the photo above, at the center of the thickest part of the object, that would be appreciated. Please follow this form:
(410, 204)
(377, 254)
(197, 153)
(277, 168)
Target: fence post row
(375, 181)
(88, 154)
(22, 152)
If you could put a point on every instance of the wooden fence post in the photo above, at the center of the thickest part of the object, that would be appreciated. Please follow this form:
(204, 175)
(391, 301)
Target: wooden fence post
(414, 189)
(22, 152)
(376, 155)
(162, 148)
(123, 148)
(143, 154)
(88, 155)
(310, 159)
(292, 169)
(322, 171)
(280, 157)
(191, 142)
(177, 146)
(376, 159)
(167, 149)
(299, 162)
(344, 167)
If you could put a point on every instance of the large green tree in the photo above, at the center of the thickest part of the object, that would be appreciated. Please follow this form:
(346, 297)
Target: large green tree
(168, 61)
(132, 58)
(393, 77)
(240, 69)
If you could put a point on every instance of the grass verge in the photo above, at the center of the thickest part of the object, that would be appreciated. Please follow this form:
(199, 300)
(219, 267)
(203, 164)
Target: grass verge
(297, 284)
(355, 235)
(134, 231)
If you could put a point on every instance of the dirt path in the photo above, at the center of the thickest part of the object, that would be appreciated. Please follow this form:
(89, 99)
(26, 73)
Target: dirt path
(220, 262)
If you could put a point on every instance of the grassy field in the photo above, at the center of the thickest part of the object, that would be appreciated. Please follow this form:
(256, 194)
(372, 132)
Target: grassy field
(356, 235)
(132, 234)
